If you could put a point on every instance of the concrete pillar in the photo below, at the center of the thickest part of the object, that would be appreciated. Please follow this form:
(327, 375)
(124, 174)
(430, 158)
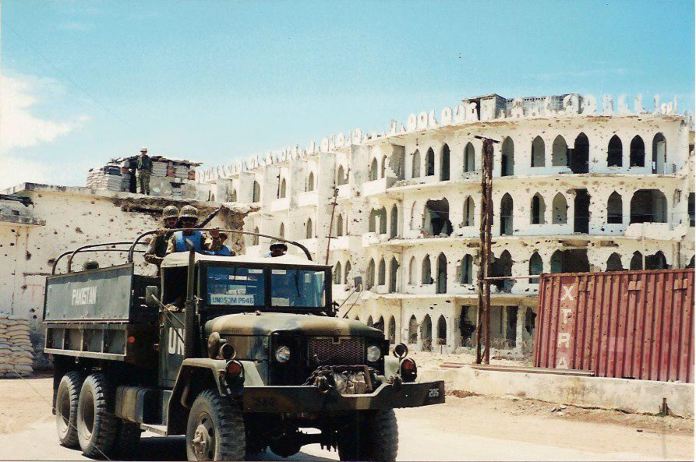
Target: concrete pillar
(519, 335)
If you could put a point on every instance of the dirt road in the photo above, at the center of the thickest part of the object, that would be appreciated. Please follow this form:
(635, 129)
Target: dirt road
(469, 428)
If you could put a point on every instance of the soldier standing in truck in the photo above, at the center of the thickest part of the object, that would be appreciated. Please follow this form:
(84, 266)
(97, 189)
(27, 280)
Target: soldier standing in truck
(213, 245)
(158, 245)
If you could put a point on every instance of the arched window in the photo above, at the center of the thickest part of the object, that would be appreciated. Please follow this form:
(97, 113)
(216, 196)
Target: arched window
(339, 225)
(469, 158)
(615, 152)
(372, 221)
(394, 228)
(256, 192)
(369, 321)
(391, 330)
(412, 277)
(382, 272)
(580, 158)
(413, 224)
(337, 276)
(637, 261)
(445, 163)
(283, 189)
(538, 152)
(426, 277)
(373, 169)
(380, 324)
(536, 266)
(371, 274)
(614, 262)
(637, 152)
(502, 266)
(507, 166)
(538, 210)
(416, 165)
(615, 208)
(412, 330)
(310, 181)
(393, 272)
(427, 334)
(506, 224)
(559, 152)
(560, 210)
(255, 238)
(233, 197)
(659, 154)
(441, 331)
(430, 162)
(656, 261)
(436, 217)
(648, 206)
(441, 274)
(340, 176)
(382, 214)
(346, 273)
(467, 269)
(469, 210)
(309, 234)
(281, 231)
(383, 172)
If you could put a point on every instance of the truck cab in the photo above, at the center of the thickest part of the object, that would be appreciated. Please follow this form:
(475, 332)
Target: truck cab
(239, 354)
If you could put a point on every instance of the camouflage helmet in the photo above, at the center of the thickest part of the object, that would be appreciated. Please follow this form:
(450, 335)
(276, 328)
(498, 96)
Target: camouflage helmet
(188, 211)
(170, 211)
(90, 265)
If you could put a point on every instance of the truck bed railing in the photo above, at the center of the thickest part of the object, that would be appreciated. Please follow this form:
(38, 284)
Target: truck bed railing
(91, 248)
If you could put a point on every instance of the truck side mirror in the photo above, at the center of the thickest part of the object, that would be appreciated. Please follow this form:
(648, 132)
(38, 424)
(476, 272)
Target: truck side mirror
(152, 296)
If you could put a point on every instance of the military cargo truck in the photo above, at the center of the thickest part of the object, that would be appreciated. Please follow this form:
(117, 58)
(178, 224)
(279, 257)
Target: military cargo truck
(239, 354)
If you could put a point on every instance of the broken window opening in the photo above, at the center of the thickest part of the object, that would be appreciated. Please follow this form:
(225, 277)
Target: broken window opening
(506, 215)
(615, 208)
(507, 161)
(570, 261)
(393, 272)
(469, 211)
(467, 325)
(637, 152)
(436, 218)
(426, 277)
(469, 158)
(580, 155)
(441, 274)
(538, 153)
(467, 269)
(373, 170)
(582, 211)
(416, 165)
(659, 154)
(394, 228)
(614, 262)
(560, 210)
(559, 152)
(656, 261)
(445, 163)
(441, 331)
(538, 210)
(536, 266)
(382, 272)
(427, 334)
(615, 152)
(502, 266)
(648, 206)
(430, 162)
(636, 261)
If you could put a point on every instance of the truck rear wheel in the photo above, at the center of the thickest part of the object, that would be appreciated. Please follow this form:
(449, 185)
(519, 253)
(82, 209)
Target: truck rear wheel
(67, 396)
(96, 424)
(215, 429)
(371, 436)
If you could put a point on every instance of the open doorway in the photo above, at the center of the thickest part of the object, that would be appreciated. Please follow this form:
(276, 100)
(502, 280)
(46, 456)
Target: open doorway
(582, 211)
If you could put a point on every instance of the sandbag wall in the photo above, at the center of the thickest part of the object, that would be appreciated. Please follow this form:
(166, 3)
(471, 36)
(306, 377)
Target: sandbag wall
(16, 352)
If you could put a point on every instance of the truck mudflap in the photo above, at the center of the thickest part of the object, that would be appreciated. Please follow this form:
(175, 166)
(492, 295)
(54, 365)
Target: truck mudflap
(308, 398)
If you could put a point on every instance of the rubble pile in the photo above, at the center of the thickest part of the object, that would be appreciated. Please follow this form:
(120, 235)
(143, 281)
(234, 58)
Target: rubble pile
(16, 352)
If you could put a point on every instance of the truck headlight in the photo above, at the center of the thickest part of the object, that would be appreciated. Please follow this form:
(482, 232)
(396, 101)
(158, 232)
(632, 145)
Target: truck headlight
(373, 354)
(282, 354)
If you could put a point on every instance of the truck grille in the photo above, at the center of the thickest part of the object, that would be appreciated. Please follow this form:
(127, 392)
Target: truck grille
(337, 350)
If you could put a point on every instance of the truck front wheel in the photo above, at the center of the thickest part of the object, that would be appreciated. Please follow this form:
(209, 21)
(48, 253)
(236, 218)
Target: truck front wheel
(67, 396)
(215, 429)
(96, 424)
(370, 436)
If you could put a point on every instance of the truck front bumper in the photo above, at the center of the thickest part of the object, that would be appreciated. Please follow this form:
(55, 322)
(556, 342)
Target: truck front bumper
(308, 398)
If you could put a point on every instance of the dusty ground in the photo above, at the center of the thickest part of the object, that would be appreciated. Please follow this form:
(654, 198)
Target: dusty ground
(465, 428)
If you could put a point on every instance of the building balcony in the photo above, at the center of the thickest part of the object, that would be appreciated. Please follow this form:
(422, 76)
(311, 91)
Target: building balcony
(308, 199)
(649, 231)
(279, 205)
(373, 238)
(346, 243)
(371, 188)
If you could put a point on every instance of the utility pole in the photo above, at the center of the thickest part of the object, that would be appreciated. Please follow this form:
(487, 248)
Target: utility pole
(483, 318)
(333, 211)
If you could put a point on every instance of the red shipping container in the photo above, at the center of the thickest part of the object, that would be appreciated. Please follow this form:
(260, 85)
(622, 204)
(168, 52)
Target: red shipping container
(625, 324)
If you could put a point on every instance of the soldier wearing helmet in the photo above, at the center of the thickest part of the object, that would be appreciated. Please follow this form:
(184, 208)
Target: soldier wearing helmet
(158, 245)
(277, 249)
(213, 245)
(143, 171)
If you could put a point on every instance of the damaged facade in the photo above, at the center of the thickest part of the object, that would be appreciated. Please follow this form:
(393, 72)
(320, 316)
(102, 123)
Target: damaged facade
(576, 188)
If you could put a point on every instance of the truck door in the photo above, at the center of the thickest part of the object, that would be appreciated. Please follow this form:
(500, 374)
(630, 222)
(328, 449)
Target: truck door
(171, 347)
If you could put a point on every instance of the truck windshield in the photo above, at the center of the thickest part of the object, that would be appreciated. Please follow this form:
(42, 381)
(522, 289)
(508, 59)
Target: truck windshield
(297, 288)
(236, 285)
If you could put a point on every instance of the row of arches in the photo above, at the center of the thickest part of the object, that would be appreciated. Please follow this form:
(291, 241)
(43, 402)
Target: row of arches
(341, 272)
(378, 222)
(377, 274)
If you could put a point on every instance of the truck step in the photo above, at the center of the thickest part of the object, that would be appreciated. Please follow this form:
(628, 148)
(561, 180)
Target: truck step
(158, 429)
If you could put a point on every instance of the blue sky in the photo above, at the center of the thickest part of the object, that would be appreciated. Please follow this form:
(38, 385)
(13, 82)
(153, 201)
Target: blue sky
(219, 80)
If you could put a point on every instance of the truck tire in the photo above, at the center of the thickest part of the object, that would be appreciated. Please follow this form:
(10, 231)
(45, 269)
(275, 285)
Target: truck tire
(96, 424)
(370, 436)
(67, 396)
(127, 441)
(215, 429)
